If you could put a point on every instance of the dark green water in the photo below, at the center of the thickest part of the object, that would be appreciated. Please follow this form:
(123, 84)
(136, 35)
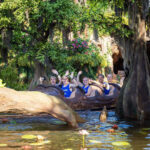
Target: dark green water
(60, 137)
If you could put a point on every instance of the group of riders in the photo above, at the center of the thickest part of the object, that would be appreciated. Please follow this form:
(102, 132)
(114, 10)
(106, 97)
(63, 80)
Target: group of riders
(68, 82)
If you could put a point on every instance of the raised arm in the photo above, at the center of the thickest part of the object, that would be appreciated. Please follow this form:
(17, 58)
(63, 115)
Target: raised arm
(93, 81)
(75, 83)
(59, 77)
(72, 75)
(66, 73)
(78, 78)
(89, 91)
(97, 83)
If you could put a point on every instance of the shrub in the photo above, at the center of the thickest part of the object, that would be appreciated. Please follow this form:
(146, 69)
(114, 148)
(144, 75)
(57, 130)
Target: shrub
(9, 74)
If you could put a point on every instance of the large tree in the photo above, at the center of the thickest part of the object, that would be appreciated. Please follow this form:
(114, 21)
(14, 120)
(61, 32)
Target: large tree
(134, 100)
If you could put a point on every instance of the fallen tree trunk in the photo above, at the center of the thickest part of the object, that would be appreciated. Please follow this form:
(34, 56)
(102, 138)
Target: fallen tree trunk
(34, 103)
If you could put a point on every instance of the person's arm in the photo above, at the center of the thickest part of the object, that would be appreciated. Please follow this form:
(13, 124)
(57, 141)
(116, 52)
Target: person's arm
(106, 88)
(59, 77)
(97, 84)
(66, 73)
(78, 78)
(72, 75)
(74, 81)
(89, 91)
(93, 81)
(75, 84)
(121, 81)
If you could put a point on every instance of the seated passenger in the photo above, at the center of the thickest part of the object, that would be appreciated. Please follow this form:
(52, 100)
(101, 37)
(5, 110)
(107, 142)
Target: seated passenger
(110, 78)
(53, 79)
(122, 77)
(85, 86)
(42, 81)
(106, 88)
(67, 86)
(102, 85)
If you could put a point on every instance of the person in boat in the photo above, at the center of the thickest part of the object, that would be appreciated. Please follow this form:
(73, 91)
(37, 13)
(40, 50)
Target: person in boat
(85, 86)
(122, 77)
(42, 80)
(67, 87)
(110, 78)
(104, 85)
(53, 79)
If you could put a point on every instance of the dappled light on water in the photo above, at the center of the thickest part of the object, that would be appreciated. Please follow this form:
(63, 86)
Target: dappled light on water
(49, 133)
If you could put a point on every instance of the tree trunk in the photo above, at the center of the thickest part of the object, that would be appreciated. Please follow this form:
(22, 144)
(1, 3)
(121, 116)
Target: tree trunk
(134, 100)
(51, 33)
(6, 43)
(39, 72)
(65, 36)
(4, 54)
(148, 50)
(86, 31)
(95, 35)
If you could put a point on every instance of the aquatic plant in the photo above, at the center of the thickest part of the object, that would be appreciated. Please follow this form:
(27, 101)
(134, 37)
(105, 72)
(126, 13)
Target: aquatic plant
(83, 133)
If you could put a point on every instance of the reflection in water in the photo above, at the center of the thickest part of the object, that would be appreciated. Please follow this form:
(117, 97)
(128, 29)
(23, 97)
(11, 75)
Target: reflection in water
(57, 136)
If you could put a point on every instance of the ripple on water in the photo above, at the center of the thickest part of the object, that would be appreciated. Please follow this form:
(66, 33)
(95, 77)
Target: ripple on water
(146, 148)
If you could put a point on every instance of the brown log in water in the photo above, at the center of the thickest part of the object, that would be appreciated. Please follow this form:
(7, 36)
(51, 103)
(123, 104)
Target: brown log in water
(79, 101)
(34, 103)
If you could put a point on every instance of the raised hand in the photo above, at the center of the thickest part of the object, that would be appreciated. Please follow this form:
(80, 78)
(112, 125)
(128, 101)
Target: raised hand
(72, 75)
(80, 72)
(55, 71)
(67, 73)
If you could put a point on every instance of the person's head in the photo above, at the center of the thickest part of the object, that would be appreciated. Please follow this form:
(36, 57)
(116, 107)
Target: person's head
(121, 73)
(101, 78)
(53, 80)
(41, 80)
(109, 78)
(86, 81)
(65, 80)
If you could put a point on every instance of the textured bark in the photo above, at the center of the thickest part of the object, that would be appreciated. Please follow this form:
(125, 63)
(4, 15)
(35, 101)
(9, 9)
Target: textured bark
(78, 101)
(4, 54)
(134, 100)
(148, 50)
(35, 103)
(6, 43)
(51, 33)
(95, 34)
(65, 36)
(39, 72)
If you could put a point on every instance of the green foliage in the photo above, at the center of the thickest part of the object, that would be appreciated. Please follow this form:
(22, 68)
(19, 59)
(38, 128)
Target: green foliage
(9, 74)
(75, 58)
(2, 84)
(33, 23)
(101, 15)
